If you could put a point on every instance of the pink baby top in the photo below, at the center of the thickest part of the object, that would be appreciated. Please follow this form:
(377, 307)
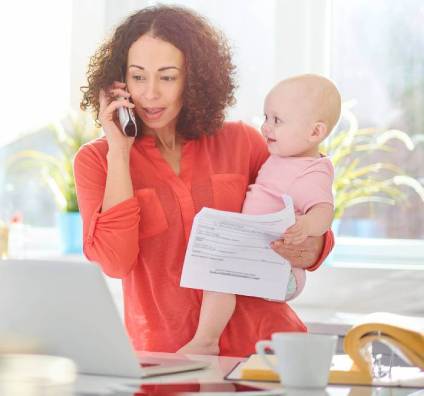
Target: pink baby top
(307, 180)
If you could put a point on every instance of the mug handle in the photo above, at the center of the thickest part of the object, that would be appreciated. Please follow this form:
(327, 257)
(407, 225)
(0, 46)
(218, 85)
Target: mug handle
(260, 350)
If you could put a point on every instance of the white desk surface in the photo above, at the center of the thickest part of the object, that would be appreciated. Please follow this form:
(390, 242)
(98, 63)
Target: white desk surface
(220, 366)
(318, 321)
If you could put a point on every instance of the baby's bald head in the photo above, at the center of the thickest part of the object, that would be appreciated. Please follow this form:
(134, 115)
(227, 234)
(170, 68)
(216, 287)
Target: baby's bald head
(316, 96)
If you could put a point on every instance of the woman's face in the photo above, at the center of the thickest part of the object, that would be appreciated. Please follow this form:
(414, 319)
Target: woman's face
(155, 79)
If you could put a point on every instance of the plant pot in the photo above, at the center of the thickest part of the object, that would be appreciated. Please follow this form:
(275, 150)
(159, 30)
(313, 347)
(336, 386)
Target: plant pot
(70, 229)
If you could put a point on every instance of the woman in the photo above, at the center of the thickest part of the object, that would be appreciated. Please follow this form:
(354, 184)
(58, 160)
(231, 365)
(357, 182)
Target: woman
(138, 196)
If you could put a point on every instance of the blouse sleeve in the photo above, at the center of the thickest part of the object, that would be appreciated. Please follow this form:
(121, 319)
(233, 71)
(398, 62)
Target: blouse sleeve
(327, 248)
(110, 238)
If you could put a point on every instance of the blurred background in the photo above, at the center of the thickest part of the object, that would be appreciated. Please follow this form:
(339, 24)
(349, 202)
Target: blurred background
(372, 50)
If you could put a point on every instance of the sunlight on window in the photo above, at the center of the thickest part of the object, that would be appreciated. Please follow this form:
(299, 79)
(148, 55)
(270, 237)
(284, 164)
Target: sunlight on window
(35, 68)
(377, 61)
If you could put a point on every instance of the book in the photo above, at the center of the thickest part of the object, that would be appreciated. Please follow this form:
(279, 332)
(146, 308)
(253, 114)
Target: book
(403, 335)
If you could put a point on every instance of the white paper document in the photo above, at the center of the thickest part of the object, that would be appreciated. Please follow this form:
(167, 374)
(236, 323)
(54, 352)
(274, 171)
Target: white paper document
(230, 252)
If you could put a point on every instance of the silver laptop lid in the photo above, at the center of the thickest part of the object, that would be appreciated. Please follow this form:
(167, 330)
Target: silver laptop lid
(67, 308)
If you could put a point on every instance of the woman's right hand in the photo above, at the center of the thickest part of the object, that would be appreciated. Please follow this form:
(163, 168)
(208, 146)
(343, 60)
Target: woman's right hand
(110, 99)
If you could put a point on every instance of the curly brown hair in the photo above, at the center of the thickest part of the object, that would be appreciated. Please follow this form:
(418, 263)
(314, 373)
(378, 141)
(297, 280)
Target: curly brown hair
(209, 84)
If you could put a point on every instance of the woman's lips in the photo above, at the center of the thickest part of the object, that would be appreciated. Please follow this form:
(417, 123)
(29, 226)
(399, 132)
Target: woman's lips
(152, 113)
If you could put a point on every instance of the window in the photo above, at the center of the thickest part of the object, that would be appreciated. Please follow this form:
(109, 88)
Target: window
(371, 49)
(35, 69)
(376, 59)
(46, 47)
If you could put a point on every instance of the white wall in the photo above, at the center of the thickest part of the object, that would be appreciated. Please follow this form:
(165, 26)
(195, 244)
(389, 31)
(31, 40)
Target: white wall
(261, 59)
(88, 31)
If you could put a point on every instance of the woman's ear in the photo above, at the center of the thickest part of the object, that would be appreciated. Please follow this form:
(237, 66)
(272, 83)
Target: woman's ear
(319, 132)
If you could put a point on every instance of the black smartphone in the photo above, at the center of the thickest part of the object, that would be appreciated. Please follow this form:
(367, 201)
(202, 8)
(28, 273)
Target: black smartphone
(127, 119)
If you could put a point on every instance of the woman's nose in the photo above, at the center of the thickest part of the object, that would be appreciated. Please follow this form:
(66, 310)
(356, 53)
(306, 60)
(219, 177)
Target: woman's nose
(151, 90)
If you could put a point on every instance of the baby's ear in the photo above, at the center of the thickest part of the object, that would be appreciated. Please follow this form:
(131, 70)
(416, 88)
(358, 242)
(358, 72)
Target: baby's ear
(319, 132)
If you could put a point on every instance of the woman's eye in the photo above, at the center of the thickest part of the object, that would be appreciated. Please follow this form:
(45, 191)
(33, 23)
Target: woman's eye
(168, 78)
(138, 78)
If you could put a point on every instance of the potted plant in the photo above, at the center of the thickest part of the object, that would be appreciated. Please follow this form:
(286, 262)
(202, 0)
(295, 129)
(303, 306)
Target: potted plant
(57, 172)
(358, 178)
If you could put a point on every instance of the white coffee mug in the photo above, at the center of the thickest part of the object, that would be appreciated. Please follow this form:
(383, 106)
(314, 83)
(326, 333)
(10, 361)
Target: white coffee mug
(303, 360)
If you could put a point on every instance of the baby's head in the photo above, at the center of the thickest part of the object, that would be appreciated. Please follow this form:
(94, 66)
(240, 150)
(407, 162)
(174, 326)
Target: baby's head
(300, 112)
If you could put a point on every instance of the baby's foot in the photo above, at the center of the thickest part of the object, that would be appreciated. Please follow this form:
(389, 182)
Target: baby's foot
(200, 347)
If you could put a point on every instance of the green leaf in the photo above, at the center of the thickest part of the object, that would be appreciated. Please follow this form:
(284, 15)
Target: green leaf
(57, 171)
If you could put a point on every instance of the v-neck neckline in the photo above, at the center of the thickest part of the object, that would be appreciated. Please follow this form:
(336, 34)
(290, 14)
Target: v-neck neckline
(148, 144)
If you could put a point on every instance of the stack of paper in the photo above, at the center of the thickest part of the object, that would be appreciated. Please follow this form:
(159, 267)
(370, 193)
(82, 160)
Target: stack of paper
(230, 252)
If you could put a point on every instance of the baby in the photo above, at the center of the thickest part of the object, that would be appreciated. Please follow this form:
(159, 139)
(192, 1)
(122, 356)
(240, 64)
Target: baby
(300, 112)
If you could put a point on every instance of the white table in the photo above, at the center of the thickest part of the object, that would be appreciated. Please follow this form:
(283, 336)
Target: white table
(219, 367)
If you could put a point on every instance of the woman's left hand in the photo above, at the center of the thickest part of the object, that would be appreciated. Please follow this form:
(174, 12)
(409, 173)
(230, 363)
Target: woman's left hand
(303, 255)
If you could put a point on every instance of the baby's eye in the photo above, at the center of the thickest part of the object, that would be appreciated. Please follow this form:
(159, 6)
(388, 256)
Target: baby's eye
(265, 117)
(277, 121)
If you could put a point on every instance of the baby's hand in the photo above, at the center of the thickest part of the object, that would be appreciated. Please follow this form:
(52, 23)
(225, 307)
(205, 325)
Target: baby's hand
(200, 347)
(298, 232)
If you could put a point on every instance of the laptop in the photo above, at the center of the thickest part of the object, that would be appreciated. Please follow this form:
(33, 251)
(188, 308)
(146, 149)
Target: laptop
(67, 309)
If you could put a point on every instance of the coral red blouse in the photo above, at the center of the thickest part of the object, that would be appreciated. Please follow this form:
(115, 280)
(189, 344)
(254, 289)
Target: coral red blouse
(142, 240)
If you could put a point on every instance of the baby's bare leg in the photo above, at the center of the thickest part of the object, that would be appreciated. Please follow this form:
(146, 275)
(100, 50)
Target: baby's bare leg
(215, 313)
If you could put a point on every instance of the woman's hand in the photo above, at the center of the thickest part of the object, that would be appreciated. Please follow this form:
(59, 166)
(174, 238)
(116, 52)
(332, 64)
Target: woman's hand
(301, 255)
(110, 100)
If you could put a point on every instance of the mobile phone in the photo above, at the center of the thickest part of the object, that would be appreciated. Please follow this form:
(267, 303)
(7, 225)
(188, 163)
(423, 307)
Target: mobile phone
(127, 119)
(207, 388)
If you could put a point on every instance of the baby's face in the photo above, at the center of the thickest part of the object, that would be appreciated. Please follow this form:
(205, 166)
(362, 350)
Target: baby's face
(289, 117)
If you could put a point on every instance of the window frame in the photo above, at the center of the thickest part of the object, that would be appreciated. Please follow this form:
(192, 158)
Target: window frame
(308, 24)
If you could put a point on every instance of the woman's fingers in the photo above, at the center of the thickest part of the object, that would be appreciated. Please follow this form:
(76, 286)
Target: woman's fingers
(118, 84)
(298, 239)
(116, 104)
(116, 89)
(110, 99)
(300, 255)
(287, 251)
(108, 113)
(118, 93)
